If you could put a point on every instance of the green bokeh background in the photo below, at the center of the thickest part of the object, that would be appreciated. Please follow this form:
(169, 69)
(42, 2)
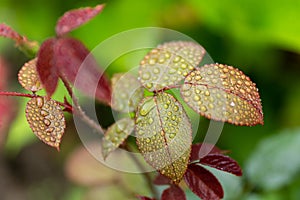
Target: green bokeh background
(260, 37)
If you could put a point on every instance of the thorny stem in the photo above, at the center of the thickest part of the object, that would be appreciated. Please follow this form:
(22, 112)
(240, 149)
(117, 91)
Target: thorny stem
(78, 110)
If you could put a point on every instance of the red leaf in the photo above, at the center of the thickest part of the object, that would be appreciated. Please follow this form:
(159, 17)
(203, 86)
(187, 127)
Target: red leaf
(174, 192)
(144, 198)
(71, 57)
(46, 66)
(6, 31)
(203, 183)
(221, 162)
(8, 107)
(200, 150)
(75, 18)
(161, 180)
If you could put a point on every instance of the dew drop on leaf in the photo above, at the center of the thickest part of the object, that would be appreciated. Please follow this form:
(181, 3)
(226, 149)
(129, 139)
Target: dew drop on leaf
(127, 92)
(28, 76)
(46, 120)
(216, 96)
(164, 135)
(116, 134)
(169, 63)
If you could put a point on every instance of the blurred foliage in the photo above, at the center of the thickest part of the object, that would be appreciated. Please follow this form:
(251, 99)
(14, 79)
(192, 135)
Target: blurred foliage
(260, 37)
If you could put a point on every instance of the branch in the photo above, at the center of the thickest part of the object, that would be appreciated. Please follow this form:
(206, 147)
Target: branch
(78, 110)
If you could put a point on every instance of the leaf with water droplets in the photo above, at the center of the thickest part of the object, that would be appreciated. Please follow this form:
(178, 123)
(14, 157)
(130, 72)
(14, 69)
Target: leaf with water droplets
(164, 135)
(223, 93)
(169, 63)
(28, 76)
(126, 92)
(46, 120)
(116, 134)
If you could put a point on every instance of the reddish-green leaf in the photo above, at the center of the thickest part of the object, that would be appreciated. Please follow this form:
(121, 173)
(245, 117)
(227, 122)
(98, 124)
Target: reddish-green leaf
(203, 183)
(163, 135)
(116, 134)
(74, 61)
(223, 93)
(46, 66)
(221, 162)
(174, 192)
(28, 76)
(46, 120)
(127, 92)
(75, 18)
(6, 31)
(169, 63)
(200, 150)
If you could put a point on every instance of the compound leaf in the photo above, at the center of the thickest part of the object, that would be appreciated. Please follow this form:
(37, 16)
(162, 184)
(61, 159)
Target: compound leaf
(46, 120)
(203, 183)
(169, 63)
(28, 76)
(163, 135)
(116, 134)
(223, 93)
(75, 18)
(126, 92)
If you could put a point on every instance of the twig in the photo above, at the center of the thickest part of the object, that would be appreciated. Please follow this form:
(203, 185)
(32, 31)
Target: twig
(79, 111)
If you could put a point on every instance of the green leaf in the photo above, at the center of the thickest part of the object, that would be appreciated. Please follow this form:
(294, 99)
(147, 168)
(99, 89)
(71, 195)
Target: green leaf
(223, 93)
(116, 134)
(164, 135)
(169, 63)
(275, 161)
(126, 92)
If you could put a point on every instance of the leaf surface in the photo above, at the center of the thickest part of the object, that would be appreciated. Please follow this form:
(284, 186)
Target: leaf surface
(222, 162)
(46, 120)
(116, 134)
(75, 18)
(169, 63)
(199, 150)
(174, 192)
(203, 183)
(223, 93)
(126, 92)
(46, 66)
(163, 135)
(74, 61)
(28, 76)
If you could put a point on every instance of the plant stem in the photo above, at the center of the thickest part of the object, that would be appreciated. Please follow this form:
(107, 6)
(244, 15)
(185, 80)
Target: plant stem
(146, 174)
(78, 110)
(17, 94)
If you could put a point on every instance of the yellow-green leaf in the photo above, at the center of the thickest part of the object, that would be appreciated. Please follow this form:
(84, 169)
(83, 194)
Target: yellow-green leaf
(46, 120)
(223, 93)
(127, 92)
(116, 134)
(28, 76)
(169, 63)
(164, 135)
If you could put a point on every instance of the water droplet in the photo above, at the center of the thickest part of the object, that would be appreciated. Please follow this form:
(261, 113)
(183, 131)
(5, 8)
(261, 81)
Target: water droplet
(232, 104)
(172, 135)
(175, 108)
(203, 108)
(147, 106)
(206, 93)
(196, 98)
(156, 70)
